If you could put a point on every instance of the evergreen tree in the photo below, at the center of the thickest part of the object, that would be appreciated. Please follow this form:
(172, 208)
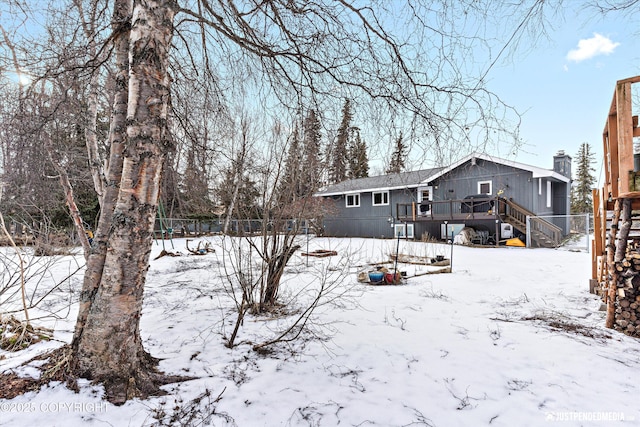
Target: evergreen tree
(311, 167)
(358, 160)
(338, 164)
(290, 184)
(397, 163)
(246, 202)
(581, 197)
(194, 187)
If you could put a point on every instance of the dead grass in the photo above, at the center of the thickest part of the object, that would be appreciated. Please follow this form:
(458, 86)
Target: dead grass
(560, 323)
(54, 369)
(16, 335)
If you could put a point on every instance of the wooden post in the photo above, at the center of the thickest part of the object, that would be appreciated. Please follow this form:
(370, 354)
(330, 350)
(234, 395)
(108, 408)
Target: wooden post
(597, 249)
(624, 140)
(611, 147)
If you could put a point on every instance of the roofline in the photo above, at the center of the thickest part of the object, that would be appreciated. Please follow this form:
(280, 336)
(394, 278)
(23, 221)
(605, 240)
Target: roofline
(405, 184)
(536, 171)
(366, 190)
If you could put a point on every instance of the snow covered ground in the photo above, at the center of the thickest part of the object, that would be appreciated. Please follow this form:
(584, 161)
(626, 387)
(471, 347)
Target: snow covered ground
(510, 338)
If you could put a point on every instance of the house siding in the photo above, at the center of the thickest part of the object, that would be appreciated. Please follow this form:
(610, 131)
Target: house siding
(515, 184)
(508, 181)
(366, 220)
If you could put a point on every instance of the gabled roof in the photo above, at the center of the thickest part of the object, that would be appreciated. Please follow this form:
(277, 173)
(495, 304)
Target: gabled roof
(425, 176)
(389, 182)
(535, 171)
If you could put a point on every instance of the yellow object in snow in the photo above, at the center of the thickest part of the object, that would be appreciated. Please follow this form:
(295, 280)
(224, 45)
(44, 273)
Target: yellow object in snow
(515, 242)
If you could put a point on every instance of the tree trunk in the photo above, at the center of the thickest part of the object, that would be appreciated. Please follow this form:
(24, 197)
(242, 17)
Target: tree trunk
(90, 130)
(277, 263)
(71, 204)
(121, 25)
(238, 168)
(107, 346)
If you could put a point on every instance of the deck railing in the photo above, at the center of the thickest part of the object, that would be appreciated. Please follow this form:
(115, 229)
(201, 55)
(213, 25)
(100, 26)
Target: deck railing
(542, 232)
(455, 209)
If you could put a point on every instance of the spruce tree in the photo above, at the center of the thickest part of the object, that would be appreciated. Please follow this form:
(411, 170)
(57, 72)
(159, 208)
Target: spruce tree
(358, 159)
(397, 163)
(196, 202)
(290, 184)
(246, 199)
(581, 198)
(338, 155)
(311, 167)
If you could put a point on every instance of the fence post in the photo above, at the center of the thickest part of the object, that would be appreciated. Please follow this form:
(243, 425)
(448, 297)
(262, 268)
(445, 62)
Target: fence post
(528, 227)
(586, 231)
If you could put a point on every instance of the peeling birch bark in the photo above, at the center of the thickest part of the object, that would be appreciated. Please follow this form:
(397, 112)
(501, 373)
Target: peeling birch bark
(107, 345)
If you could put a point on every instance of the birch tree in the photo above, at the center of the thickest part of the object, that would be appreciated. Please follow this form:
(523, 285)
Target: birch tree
(106, 345)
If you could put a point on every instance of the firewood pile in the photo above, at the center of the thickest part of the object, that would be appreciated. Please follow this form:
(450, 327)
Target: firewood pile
(627, 312)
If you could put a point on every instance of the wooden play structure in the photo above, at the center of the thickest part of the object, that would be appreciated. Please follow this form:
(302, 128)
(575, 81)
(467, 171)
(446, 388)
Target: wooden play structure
(616, 207)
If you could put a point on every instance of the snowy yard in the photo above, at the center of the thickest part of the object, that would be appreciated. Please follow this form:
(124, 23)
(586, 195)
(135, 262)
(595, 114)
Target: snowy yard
(510, 338)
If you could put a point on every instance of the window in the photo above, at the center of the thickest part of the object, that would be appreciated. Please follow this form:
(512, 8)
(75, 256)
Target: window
(548, 194)
(353, 200)
(425, 195)
(380, 198)
(484, 187)
(404, 231)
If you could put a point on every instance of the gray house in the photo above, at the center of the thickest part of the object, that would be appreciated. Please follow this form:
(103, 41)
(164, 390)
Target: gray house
(496, 197)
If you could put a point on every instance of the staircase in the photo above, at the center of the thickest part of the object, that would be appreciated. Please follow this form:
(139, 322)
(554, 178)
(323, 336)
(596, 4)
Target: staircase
(543, 234)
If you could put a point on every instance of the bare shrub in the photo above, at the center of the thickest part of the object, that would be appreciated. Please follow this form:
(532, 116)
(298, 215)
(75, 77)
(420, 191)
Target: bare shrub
(201, 410)
(291, 317)
(24, 285)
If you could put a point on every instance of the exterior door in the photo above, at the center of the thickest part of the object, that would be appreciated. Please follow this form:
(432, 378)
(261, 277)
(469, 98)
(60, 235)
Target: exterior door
(425, 197)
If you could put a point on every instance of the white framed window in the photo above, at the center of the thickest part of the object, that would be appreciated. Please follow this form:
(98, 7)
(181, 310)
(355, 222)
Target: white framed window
(380, 198)
(404, 231)
(548, 194)
(352, 200)
(485, 187)
(425, 195)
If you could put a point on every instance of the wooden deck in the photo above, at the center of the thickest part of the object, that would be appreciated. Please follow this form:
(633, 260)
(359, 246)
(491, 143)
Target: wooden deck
(451, 210)
(497, 209)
